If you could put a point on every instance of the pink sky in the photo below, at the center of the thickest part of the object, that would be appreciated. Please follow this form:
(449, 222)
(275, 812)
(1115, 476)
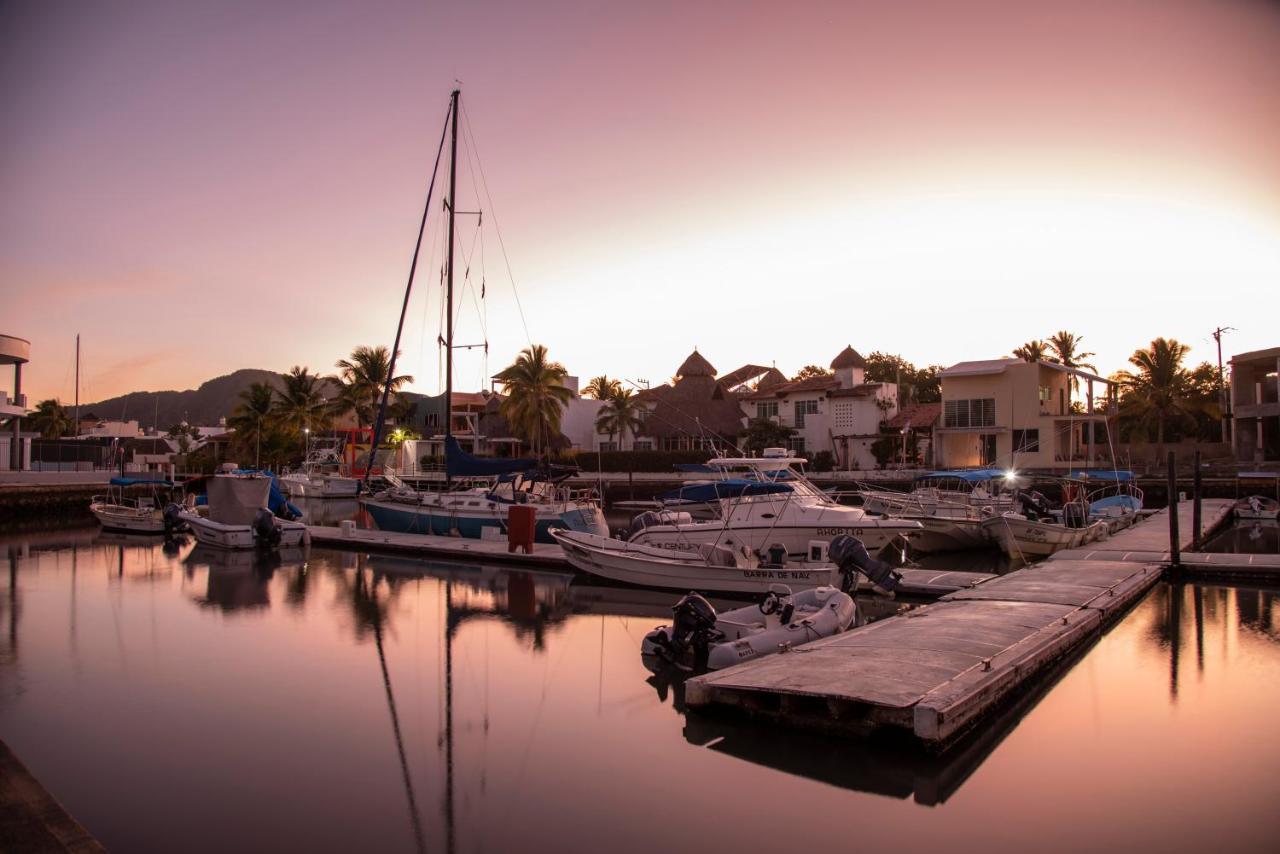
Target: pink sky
(200, 187)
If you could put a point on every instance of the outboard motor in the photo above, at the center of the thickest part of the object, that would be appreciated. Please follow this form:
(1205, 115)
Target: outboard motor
(852, 557)
(172, 521)
(693, 628)
(265, 532)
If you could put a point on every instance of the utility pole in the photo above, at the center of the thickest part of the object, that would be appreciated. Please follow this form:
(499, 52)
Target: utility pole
(1223, 401)
(77, 429)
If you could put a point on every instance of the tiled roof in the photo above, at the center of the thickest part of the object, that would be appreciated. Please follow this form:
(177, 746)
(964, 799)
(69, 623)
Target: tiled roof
(918, 415)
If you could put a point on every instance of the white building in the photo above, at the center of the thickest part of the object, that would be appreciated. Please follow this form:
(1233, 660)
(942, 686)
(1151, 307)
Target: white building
(839, 412)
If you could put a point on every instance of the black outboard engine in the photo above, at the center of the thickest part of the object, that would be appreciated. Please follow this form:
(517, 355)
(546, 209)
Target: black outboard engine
(172, 521)
(852, 557)
(1033, 505)
(692, 628)
(265, 532)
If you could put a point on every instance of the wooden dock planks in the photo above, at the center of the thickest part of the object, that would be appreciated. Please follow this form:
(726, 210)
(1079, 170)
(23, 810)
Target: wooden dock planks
(936, 669)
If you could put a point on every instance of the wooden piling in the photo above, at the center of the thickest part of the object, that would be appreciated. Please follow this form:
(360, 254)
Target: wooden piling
(1197, 530)
(1175, 542)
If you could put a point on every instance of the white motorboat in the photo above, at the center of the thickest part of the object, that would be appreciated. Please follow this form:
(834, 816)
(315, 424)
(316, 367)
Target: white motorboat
(781, 622)
(1021, 537)
(239, 516)
(321, 474)
(1257, 507)
(975, 490)
(760, 503)
(146, 514)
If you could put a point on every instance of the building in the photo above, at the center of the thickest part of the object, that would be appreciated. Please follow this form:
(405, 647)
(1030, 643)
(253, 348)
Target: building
(1007, 412)
(695, 411)
(1255, 405)
(839, 412)
(15, 446)
(912, 429)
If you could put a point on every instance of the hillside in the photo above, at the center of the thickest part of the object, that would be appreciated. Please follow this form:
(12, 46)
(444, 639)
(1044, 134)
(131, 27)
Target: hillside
(202, 406)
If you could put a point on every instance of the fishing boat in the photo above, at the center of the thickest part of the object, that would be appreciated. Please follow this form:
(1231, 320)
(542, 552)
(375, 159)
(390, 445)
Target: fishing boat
(1035, 529)
(783, 620)
(761, 503)
(241, 513)
(474, 512)
(1256, 508)
(718, 568)
(155, 513)
(320, 476)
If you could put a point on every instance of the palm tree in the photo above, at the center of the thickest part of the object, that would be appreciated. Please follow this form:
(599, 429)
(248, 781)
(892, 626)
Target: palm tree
(1064, 345)
(1034, 350)
(536, 396)
(301, 406)
(1161, 387)
(402, 410)
(51, 419)
(361, 380)
(602, 388)
(252, 418)
(621, 412)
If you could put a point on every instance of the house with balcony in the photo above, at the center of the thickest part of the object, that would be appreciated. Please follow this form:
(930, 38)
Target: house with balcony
(839, 412)
(1255, 405)
(1008, 412)
(15, 445)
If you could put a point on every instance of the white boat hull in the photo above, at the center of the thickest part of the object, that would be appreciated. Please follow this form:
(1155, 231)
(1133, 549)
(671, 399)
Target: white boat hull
(948, 535)
(226, 536)
(1019, 537)
(129, 520)
(326, 486)
(759, 537)
(672, 569)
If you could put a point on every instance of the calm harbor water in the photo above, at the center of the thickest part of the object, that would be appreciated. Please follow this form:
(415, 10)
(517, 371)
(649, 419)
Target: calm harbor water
(190, 699)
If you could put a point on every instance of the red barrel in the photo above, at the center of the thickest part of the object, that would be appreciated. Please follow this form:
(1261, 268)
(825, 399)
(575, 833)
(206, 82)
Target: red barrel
(522, 525)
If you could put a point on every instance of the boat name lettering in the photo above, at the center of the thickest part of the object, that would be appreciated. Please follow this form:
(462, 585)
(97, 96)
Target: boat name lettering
(835, 532)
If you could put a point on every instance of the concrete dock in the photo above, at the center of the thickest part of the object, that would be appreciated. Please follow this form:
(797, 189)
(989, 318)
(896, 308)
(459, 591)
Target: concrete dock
(936, 670)
(31, 819)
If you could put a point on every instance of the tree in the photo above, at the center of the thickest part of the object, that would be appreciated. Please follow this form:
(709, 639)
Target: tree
(51, 419)
(1160, 391)
(811, 371)
(1066, 349)
(1034, 350)
(536, 396)
(602, 388)
(621, 412)
(915, 385)
(764, 433)
(251, 419)
(402, 410)
(300, 405)
(361, 379)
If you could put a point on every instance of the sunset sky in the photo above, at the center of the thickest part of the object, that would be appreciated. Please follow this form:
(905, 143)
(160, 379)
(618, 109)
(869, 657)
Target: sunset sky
(200, 187)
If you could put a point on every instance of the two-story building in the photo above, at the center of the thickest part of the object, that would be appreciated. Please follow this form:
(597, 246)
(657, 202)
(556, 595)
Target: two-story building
(1255, 405)
(1008, 412)
(839, 412)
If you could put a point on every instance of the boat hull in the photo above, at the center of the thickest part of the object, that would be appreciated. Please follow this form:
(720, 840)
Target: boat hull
(127, 520)
(321, 487)
(1022, 538)
(874, 533)
(478, 523)
(224, 536)
(651, 566)
(948, 535)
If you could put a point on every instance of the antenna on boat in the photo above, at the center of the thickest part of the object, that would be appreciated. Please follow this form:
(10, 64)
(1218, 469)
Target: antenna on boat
(408, 288)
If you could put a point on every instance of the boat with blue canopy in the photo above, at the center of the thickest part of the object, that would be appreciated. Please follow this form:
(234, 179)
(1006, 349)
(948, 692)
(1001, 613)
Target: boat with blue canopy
(136, 514)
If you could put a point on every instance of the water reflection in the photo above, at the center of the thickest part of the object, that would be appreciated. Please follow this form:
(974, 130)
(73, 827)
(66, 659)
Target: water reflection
(1258, 536)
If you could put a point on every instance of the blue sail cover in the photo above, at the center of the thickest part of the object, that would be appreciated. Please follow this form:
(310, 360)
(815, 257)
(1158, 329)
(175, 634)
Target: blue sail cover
(967, 475)
(723, 489)
(458, 463)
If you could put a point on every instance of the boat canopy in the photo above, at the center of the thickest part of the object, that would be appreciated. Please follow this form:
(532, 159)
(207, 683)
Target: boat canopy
(721, 489)
(967, 475)
(1108, 475)
(140, 481)
(458, 463)
(696, 468)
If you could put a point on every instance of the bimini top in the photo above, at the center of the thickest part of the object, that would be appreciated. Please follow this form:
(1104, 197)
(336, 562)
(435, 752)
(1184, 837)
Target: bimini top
(761, 463)
(1109, 475)
(721, 489)
(138, 481)
(967, 475)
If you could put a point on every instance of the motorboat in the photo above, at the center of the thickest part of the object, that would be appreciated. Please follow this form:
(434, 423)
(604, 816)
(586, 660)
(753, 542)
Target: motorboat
(1256, 507)
(782, 621)
(720, 568)
(759, 503)
(321, 473)
(984, 489)
(155, 513)
(1035, 529)
(242, 513)
(482, 512)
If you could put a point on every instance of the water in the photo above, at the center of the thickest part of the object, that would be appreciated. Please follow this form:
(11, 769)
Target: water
(202, 701)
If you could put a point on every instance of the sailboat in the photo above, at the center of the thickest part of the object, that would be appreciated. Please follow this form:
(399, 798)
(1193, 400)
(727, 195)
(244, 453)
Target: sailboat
(478, 512)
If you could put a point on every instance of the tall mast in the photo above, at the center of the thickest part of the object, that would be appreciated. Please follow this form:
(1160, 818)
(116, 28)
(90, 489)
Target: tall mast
(448, 342)
(77, 428)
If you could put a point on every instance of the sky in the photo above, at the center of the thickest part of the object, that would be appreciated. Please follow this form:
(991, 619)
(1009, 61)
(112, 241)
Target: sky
(200, 187)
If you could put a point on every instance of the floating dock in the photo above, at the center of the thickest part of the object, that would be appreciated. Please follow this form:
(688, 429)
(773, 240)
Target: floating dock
(936, 670)
(547, 555)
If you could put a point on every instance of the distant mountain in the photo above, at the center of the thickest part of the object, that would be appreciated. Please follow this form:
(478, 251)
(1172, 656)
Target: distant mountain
(204, 406)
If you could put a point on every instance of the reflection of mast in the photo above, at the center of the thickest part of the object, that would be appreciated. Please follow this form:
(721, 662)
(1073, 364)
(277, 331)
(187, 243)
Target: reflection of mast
(1175, 636)
(448, 715)
(395, 720)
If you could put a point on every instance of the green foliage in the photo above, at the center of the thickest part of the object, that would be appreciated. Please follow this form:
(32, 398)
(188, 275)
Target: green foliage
(1163, 397)
(1034, 350)
(811, 371)
(301, 405)
(361, 380)
(764, 433)
(915, 385)
(51, 419)
(883, 449)
(621, 413)
(602, 388)
(822, 461)
(536, 396)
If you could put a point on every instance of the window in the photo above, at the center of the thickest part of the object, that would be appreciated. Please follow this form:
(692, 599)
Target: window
(1026, 441)
(642, 445)
(608, 446)
(767, 410)
(796, 444)
(975, 412)
(803, 408)
(842, 413)
(433, 419)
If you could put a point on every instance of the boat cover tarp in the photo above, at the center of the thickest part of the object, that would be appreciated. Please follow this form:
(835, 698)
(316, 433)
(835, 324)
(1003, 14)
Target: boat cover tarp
(458, 463)
(722, 489)
(1107, 475)
(967, 475)
(140, 481)
(696, 468)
